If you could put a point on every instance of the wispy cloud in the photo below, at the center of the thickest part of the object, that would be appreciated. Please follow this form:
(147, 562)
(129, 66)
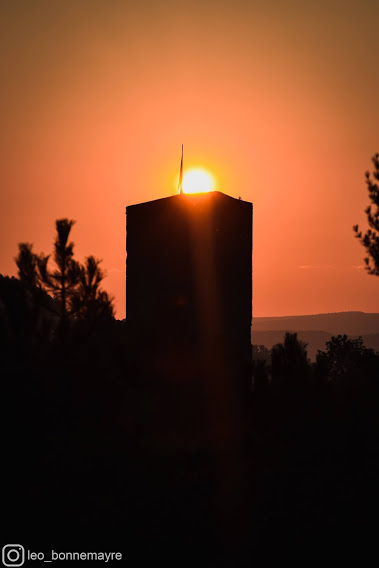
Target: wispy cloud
(330, 267)
(315, 267)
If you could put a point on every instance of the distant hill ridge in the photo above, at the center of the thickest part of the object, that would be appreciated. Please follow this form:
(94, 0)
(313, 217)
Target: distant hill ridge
(316, 329)
(351, 323)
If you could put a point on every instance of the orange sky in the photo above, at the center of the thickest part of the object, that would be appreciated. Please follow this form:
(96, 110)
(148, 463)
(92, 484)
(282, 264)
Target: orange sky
(277, 99)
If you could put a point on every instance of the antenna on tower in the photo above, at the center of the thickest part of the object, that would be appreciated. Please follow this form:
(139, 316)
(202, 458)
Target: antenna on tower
(180, 186)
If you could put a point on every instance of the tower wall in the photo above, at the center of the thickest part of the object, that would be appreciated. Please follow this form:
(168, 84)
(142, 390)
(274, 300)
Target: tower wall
(189, 278)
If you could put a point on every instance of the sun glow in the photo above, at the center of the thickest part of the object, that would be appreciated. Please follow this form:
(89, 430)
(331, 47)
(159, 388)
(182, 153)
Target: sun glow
(198, 181)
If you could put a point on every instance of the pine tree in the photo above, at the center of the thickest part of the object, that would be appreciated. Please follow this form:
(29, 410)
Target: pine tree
(370, 240)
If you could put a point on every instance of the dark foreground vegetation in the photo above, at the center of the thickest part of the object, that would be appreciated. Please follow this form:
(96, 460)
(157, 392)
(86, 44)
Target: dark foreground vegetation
(99, 455)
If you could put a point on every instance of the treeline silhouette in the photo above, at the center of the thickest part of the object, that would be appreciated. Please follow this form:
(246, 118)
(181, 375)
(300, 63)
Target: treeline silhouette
(98, 452)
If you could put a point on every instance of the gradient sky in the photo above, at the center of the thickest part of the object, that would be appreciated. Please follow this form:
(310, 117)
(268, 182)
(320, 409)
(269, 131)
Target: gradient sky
(279, 100)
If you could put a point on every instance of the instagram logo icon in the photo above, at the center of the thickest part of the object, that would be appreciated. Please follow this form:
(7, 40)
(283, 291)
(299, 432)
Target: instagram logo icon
(13, 555)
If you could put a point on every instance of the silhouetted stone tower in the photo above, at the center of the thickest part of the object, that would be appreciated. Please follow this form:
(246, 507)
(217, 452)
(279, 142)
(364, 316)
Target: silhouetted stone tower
(189, 282)
(189, 311)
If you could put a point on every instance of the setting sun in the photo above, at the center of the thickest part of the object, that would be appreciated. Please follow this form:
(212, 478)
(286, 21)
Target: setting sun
(198, 181)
